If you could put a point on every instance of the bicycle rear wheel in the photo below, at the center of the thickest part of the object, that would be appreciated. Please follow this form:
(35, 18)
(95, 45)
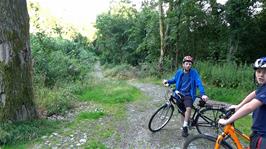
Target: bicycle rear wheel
(207, 121)
(161, 117)
(202, 141)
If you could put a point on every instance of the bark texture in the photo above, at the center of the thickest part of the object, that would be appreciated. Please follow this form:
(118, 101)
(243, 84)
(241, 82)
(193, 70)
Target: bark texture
(16, 91)
(162, 36)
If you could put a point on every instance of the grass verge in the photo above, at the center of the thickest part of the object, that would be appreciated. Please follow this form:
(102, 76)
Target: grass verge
(229, 95)
(111, 92)
(21, 133)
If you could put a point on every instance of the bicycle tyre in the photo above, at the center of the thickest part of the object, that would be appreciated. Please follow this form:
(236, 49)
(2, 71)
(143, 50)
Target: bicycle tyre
(207, 121)
(202, 141)
(164, 117)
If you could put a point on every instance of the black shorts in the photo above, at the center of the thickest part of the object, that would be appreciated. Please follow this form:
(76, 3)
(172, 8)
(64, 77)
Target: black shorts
(257, 141)
(188, 101)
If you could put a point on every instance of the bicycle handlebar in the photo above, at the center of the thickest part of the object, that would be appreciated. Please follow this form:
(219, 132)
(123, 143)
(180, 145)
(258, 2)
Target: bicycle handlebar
(201, 103)
(229, 113)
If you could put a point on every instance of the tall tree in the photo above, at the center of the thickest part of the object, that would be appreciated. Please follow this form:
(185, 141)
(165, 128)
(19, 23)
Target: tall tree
(16, 91)
(237, 16)
(162, 35)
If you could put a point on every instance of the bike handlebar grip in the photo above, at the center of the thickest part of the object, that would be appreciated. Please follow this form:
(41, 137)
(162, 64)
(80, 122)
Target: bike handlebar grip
(166, 84)
(202, 103)
(229, 113)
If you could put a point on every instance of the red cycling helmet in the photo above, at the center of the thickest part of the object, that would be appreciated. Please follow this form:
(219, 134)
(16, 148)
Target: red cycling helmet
(188, 59)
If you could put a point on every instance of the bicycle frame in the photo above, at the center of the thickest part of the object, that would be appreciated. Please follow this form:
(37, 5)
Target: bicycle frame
(230, 130)
(196, 110)
(170, 100)
(193, 108)
(163, 115)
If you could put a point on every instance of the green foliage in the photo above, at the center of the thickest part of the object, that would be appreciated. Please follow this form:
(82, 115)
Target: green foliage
(228, 95)
(121, 72)
(127, 39)
(13, 133)
(57, 59)
(244, 124)
(90, 115)
(110, 92)
(95, 145)
(228, 75)
(54, 101)
(203, 29)
(15, 146)
(59, 62)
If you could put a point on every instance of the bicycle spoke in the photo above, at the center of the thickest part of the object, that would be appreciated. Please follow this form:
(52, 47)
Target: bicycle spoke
(164, 114)
(161, 118)
(207, 121)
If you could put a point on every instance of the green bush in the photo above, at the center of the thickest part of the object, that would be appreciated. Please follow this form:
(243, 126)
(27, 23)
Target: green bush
(56, 59)
(226, 75)
(54, 101)
(149, 69)
(122, 72)
(60, 66)
(229, 95)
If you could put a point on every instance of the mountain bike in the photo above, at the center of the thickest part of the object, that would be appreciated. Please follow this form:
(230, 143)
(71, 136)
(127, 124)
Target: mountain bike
(205, 116)
(220, 142)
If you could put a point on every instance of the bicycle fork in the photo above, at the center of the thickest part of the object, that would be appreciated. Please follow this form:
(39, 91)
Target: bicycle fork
(228, 130)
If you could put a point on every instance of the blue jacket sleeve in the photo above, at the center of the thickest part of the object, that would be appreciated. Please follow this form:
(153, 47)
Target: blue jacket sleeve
(173, 80)
(199, 83)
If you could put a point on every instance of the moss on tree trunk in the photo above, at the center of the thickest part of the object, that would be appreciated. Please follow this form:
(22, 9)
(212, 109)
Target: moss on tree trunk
(16, 91)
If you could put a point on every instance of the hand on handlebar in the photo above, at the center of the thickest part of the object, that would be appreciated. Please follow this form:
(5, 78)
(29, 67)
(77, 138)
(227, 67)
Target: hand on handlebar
(165, 83)
(204, 98)
(223, 121)
(236, 107)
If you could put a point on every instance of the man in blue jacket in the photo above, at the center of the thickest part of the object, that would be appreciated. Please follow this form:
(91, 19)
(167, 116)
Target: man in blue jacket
(187, 80)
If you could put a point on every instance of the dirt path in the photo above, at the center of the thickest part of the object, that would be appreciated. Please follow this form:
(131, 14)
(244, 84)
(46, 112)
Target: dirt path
(134, 130)
(98, 70)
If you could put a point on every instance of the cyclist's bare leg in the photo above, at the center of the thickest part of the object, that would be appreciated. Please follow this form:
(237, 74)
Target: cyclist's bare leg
(187, 115)
(185, 123)
(182, 119)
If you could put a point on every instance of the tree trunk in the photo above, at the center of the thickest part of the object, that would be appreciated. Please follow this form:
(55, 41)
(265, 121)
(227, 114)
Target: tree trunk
(16, 91)
(177, 5)
(167, 28)
(233, 47)
(162, 36)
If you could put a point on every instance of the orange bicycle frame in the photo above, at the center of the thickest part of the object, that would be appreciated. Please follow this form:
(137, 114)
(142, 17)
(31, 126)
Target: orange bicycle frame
(232, 132)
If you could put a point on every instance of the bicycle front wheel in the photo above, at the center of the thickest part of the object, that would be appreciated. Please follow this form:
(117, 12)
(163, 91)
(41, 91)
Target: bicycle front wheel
(202, 141)
(161, 117)
(207, 121)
